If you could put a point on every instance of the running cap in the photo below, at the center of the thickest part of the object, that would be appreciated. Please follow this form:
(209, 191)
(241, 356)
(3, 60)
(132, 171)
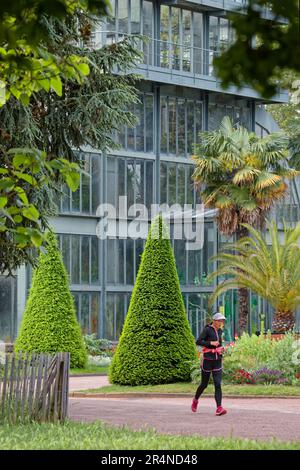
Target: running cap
(218, 316)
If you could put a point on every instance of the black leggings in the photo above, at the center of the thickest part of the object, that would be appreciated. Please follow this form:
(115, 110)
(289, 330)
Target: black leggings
(217, 376)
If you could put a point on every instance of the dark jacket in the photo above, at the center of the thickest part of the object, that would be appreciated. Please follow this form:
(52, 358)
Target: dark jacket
(207, 335)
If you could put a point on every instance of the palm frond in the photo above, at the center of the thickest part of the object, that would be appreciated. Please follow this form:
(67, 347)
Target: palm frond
(266, 179)
(270, 269)
(246, 175)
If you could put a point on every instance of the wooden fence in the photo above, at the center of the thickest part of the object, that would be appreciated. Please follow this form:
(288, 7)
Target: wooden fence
(34, 387)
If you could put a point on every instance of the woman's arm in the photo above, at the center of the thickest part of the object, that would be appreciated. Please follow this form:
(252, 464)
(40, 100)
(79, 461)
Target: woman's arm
(202, 340)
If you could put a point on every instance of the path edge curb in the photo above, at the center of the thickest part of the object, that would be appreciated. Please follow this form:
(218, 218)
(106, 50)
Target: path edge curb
(168, 395)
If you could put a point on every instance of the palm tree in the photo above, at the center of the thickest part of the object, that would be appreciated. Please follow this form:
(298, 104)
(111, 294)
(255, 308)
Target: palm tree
(242, 176)
(270, 270)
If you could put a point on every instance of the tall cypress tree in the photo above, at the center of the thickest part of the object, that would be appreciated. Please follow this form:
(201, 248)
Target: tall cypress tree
(49, 323)
(156, 344)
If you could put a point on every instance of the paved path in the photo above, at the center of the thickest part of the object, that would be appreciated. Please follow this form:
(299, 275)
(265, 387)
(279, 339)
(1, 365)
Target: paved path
(255, 418)
(85, 383)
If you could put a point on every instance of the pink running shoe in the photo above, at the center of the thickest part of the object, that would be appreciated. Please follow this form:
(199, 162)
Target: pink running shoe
(221, 411)
(194, 405)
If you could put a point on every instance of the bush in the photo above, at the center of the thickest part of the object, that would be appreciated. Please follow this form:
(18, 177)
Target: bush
(241, 376)
(268, 376)
(100, 361)
(282, 357)
(195, 373)
(228, 374)
(96, 346)
(156, 344)
(49, 324)
(253, 353)
(249, 352)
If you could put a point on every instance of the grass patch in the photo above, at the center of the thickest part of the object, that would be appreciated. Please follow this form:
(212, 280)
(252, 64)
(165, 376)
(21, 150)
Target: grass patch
(90, 370)
(99, 436)
(250, 390)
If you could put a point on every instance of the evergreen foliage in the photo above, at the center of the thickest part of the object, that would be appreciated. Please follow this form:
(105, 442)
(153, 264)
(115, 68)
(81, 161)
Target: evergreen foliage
(49, 323)
(156, 344)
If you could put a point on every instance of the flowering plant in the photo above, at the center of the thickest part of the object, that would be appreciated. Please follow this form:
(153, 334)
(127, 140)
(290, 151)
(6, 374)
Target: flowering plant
(96, 346)
(241, 376)
(101, 361)
(269, 376)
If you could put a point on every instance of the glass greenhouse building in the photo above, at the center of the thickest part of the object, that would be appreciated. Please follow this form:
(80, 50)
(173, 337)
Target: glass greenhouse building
(179, 96)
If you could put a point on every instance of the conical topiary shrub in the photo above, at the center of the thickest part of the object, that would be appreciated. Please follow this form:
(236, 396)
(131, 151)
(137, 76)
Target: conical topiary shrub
(49, 324)
(156, 344)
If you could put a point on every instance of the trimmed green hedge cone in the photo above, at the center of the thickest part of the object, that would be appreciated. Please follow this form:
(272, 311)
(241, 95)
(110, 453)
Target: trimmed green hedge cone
(156, 344)
(49, 323)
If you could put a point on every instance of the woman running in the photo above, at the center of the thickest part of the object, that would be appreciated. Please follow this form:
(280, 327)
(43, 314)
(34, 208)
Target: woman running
(211, 341)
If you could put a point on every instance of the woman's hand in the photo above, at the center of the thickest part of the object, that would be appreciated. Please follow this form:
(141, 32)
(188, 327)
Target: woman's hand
(214, 343)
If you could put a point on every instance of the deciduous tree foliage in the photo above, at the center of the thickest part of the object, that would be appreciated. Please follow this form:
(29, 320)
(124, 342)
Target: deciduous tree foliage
(39, 140)
(288, 116)
(27, 64)
(263, 48)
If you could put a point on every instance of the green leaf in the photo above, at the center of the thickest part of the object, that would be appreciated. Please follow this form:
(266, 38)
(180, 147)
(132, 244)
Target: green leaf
(45, 84)
(73, 180)
(31, 213)
(56, 164)
(36, 238)
(56, 85)
(28, 178)
(83, 68)
(13, 210)
(15, 91)
(7, 184)
(21, 160)
(3, 201)
(25, 99)
(22, 195)
(21, 239)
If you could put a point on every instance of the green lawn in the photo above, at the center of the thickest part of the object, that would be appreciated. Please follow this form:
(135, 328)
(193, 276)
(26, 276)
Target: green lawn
(98, 436)
(273, 390)
(90, 370)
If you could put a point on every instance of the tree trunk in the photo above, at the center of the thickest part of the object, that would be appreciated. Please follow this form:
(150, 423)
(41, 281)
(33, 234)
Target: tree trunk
(283, 322)
(243, 298)
(243, 293)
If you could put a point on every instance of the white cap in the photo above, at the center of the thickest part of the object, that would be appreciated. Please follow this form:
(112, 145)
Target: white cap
(218, 316)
